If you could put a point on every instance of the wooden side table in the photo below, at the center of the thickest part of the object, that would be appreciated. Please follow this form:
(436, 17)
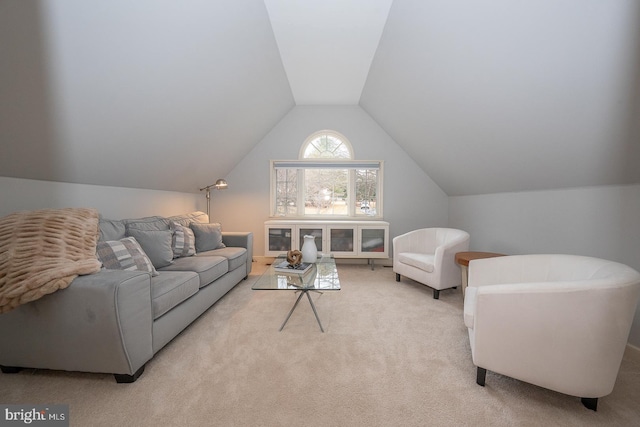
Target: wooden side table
(463, 259)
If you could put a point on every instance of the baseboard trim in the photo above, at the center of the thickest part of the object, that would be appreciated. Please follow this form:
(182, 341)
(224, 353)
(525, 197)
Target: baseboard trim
(263, 260)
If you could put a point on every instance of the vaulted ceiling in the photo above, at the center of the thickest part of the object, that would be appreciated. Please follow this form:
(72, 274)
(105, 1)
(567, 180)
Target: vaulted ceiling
(486, 96)
(327, 46)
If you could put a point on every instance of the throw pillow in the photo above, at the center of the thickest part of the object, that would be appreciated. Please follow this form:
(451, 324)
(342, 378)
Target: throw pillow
(186, 219)
(208, 236)
(124, 254)
(183, 242)
(156, 244)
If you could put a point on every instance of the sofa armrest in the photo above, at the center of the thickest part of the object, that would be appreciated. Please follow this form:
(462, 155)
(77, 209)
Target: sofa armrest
(101, 323)
(240, 239)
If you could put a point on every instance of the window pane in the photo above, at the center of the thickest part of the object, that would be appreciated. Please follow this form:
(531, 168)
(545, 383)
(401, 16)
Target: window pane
(286, 192)
(366, 186)
(326, 192)
(327, 147)
(326, 181)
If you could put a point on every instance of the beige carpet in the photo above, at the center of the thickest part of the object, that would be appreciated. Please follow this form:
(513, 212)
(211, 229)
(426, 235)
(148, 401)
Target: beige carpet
(391, 356)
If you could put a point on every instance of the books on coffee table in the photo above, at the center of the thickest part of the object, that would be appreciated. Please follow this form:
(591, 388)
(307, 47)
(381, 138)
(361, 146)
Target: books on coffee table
(285, 267)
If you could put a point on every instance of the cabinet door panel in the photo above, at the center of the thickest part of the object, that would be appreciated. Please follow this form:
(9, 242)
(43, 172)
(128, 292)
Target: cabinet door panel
(342, 241)
(372, 240)
(280, 239)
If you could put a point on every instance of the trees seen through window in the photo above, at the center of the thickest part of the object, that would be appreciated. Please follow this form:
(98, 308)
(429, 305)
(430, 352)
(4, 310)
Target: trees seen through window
(326, 182)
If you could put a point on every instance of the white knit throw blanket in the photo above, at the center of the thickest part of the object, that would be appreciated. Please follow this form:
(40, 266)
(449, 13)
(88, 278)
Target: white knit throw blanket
(43, 251)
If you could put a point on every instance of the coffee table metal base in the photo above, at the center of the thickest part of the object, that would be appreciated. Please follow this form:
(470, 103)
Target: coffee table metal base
(303, 292)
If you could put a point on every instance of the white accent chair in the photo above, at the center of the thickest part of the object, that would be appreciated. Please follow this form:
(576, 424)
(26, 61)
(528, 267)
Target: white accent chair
(557, 321)
(427, 256)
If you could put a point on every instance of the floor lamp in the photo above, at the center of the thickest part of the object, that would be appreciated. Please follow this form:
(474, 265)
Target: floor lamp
(220, 184)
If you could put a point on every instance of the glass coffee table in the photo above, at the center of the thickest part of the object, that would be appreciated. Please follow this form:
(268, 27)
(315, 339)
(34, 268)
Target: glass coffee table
(323, 276)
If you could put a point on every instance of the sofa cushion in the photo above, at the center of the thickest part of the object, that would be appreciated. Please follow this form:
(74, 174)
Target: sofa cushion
(155, 243)
(147, 223)
(111, 229)
(421, 261)
(236, 256)
(183, 241)
(208, 268)
(169, 289)
(208, 236)
(116, 229)
(124, 254)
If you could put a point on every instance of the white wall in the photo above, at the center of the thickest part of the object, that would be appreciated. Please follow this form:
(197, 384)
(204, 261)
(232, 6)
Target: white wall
(411, 199)
(112, 202)
(595, 221)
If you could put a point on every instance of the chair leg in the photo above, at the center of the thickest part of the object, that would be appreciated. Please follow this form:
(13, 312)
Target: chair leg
(397, 277)
(481, 375)
(436, 294)
(590, 403)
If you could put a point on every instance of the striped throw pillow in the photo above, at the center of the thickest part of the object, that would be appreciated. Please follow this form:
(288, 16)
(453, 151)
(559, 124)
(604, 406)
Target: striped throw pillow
(183, 242)
(124, 254)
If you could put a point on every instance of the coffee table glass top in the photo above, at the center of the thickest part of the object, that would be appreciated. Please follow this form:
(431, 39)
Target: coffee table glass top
(323, 275)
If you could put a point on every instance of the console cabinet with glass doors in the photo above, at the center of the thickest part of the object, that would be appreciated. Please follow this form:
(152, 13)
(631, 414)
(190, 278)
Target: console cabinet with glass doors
(342, 239)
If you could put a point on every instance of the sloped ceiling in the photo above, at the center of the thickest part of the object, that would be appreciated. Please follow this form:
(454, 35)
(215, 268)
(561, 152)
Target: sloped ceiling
(485, 96)
(165, 95)
(492, 96)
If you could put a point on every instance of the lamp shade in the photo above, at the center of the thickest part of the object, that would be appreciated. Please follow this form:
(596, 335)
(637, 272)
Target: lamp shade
(220, 184)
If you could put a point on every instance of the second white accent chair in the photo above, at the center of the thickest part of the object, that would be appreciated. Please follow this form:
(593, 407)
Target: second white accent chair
(427, 256)
(557, 321)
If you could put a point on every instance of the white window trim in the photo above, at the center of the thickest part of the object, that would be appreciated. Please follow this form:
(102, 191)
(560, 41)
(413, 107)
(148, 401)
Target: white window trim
(352, 165)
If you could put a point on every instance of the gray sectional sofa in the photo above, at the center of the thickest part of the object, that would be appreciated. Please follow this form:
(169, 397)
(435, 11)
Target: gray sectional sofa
(114, 321)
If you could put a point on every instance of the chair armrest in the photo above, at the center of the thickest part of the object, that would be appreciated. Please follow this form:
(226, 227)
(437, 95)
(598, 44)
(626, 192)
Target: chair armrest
(552, 334)
(469, 307)
(445, 258)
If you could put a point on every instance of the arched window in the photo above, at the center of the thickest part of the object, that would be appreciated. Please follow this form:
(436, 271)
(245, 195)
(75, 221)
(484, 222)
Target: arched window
(326, 181)
(326, 145)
